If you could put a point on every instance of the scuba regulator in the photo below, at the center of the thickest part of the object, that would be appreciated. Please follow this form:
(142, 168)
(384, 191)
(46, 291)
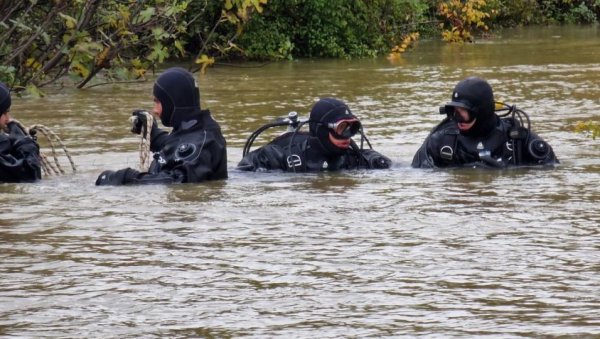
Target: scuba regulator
(292, 122)
(520, 135)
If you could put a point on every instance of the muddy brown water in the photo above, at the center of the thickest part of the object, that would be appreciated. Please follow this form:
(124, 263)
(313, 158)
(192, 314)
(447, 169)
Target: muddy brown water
(393, 253)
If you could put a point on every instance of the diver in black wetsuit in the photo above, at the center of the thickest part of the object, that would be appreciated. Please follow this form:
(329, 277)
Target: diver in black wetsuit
(19, 153)
(473, 135)
(327, 145)
(194, 151)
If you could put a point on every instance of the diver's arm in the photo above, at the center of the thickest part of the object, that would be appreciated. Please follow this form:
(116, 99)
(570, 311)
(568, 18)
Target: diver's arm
(204, 162)
(158, 138)
(536, 151)
(251, 161)
(430, 154)
(180, 173)
(19, 159)
(268, 157)
(423, 158)
(374, 159)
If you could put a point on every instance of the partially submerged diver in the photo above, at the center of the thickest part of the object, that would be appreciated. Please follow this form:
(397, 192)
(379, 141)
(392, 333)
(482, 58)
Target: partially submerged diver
(19, 153)
(194, 151)
(473, 135)
(327, 146)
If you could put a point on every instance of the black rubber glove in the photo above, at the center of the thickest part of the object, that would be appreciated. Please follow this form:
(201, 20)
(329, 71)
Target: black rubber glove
(25, 145)
(115, 178)
(375, 159)
(14, 130)
(138, 126)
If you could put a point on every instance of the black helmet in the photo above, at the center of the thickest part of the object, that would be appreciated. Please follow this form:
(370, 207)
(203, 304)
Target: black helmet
(4, 98)
(325, 112)
(477, 97)
(178, 93)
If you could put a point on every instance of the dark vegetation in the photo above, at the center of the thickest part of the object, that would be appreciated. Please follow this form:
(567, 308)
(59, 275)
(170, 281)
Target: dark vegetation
(87, 43)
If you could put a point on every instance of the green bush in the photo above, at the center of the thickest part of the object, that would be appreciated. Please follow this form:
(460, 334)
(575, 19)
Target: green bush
(569, 11)
(41, 43)
(582, 14)
(330, 28)
(517, 12)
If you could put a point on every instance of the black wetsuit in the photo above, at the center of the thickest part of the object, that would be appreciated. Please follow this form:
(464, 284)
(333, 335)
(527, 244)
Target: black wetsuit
(194, 151)
(19, 156)
(446, 147)
(306, 154)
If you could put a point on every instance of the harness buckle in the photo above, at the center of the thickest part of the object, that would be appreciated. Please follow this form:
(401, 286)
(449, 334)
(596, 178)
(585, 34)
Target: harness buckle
(446, 152)
(294, 160)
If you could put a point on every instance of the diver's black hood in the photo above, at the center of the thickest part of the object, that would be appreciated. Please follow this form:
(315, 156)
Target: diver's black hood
(178, 93)
(476, 96)
(325, 111)
(5, 101)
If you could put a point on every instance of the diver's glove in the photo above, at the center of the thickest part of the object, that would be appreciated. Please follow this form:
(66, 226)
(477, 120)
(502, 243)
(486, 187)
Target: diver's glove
(14, 130)
(139, 121)
(25, 145)
(375, 160)
(115, 178)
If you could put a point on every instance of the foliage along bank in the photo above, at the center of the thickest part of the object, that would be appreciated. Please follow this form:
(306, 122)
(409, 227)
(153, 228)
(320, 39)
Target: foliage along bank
(93, 41)
(72, 42)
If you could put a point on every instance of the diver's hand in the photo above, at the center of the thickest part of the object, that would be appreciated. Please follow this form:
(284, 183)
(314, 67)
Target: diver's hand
(25, 145)
(375, 159)
(14, 130)
(114, 178)
(139, 119)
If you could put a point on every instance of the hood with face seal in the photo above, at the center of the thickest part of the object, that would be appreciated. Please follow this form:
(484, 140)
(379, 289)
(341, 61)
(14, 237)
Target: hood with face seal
(5, 101)
(477, 97)
(325, 111)
(178, 93)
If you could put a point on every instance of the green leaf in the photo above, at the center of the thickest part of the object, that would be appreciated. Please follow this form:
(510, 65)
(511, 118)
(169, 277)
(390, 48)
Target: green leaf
(70, 22)
(121, 73)
(45, 38)
(179, 47)
(159, 53)
(34, 91)
(159, 33)
(146, 15)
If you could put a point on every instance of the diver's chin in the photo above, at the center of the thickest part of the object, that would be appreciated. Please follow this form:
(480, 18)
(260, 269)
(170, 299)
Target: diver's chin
(339, 143)
(465, 126)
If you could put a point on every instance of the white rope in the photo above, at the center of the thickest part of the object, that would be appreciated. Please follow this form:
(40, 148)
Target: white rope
(47, 166)
(145, 153)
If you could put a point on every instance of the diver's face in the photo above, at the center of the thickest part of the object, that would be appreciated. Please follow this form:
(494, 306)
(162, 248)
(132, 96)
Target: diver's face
(157, 107)
(341, 132)
(339, 143)
(463, 117)
(4, 120)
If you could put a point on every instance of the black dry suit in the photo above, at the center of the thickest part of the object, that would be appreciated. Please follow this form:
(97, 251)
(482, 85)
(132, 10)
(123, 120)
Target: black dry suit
(194, 151)
(19, 153)
(19, 156)
(313, 151)
(492, 142)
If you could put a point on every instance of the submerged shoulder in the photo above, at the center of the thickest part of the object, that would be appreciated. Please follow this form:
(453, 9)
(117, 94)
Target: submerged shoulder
(290, 137)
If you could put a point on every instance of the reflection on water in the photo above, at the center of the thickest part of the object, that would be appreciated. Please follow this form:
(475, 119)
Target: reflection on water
(387, 253)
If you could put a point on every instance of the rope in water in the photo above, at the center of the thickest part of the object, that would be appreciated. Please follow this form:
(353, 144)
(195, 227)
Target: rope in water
(48, 167)
(145, 153)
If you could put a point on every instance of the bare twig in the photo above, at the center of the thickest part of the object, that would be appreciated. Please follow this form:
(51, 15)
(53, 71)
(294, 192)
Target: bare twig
(117, 82)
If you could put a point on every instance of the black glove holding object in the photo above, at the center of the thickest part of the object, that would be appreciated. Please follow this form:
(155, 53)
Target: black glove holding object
(14, 130)
(138, 125)
(375, 159)
(114, 178)
(25, 145)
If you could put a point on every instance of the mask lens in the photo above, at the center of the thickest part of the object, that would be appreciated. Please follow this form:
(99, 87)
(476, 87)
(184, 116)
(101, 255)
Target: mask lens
(460, 119)
(345, 128)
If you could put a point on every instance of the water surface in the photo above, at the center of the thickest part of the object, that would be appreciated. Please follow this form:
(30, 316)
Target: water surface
(402, 252)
